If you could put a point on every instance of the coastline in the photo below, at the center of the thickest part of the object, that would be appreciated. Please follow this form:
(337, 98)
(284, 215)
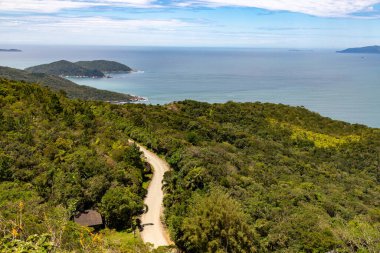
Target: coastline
(107, 74)
(134, 99)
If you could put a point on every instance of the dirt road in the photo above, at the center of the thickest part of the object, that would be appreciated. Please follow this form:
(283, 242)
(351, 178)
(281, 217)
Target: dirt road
(154, 231)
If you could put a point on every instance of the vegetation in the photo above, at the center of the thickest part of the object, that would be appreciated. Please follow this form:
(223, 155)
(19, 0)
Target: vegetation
(217, 222)
(282, 178)
(65, 68)
(247, 177)
(56, 83)
(104, 66)
(57, 158)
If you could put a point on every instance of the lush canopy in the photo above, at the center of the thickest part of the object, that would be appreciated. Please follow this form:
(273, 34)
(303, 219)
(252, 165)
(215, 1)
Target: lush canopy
(246, 176)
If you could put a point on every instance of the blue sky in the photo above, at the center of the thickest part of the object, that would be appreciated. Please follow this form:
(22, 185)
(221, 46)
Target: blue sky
(224, 23)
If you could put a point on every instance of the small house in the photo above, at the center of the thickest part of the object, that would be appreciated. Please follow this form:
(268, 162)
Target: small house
(89, 218)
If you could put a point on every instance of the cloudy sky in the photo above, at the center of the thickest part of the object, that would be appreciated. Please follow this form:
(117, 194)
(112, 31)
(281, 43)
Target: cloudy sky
(232, 23)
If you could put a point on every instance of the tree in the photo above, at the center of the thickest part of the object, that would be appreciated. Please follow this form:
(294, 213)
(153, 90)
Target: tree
(216, 223)
(359, 235)
(118, 207)
(5, 165)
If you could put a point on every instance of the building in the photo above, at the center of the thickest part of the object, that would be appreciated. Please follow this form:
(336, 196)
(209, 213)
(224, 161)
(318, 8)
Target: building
(89, 218)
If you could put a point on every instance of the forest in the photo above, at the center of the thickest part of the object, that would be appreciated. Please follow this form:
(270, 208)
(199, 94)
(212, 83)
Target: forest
(58, 84)
(246, 177)
(59, 157)
(256, 177)
(94, 69)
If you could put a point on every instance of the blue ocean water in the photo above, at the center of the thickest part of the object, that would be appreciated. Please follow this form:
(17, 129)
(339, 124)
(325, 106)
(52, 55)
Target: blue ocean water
(341, 86)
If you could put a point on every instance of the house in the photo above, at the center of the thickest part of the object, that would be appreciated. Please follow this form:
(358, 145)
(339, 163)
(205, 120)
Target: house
(89, 218)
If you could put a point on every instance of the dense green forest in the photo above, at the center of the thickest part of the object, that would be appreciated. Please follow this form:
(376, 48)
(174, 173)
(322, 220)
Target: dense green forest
(247, 177)
(57, 83)
(59, 157)
(96, 68)
(104, 66)
(253, 177)
(65, 68)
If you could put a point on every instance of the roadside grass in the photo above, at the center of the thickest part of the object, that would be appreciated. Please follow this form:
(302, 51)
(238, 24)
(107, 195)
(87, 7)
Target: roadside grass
(124, 241)
(128, 242)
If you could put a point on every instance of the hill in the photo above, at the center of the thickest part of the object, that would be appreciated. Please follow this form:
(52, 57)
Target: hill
(66, 69)
(72, 90)
(89, 69)
(59, 157)
(246, 177)
(362, 50)
(104, 66)
(259, 177)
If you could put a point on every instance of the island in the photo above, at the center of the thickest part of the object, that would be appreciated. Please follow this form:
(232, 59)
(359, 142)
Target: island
(300, 50)
(362, 50)
(86, 69)
(10, 50)
(71, 89)
(66, 69)
(105, 66)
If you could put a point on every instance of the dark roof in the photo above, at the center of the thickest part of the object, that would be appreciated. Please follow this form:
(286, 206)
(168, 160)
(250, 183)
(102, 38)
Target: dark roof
(89, 218)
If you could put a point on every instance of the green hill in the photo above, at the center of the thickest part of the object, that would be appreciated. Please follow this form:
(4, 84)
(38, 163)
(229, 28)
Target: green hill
(56, 83)
(59, 157)
(247, 177)
(104, 66)
(66, 69)
(90, 69)
(254, 177)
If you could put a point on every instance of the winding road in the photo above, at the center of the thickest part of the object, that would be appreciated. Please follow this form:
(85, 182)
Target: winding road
(153, 229)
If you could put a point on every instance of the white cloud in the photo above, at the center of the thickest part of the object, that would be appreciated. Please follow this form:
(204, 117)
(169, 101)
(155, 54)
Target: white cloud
(40, 6)
(107, 25)
(130, 3)
(322, 8)
(44, 24)
(50, 6)
(93, 30)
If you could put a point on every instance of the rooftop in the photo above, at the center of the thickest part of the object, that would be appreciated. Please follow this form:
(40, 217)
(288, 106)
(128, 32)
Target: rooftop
(89, 218)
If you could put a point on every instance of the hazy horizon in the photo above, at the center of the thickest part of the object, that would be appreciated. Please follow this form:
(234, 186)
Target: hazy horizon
(16, 45)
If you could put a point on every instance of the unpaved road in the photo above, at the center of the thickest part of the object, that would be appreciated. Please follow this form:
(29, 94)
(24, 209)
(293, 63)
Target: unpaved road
(154, 231)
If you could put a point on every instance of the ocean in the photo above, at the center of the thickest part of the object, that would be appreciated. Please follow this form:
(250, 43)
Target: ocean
(340, 86)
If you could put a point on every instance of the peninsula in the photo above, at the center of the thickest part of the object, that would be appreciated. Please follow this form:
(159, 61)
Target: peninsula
(362, 50)
(86, 69)
(71, 89)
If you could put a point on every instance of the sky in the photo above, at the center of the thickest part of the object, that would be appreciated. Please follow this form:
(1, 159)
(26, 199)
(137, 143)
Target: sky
(194, 23)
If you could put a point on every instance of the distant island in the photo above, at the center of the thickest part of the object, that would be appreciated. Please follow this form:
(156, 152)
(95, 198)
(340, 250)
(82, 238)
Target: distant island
(300, 50)
(86, 69)
(71, 89)
(10, 50)
(362, 50)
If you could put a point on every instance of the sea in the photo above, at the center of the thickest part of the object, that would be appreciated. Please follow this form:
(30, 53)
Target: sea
(340, 86)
